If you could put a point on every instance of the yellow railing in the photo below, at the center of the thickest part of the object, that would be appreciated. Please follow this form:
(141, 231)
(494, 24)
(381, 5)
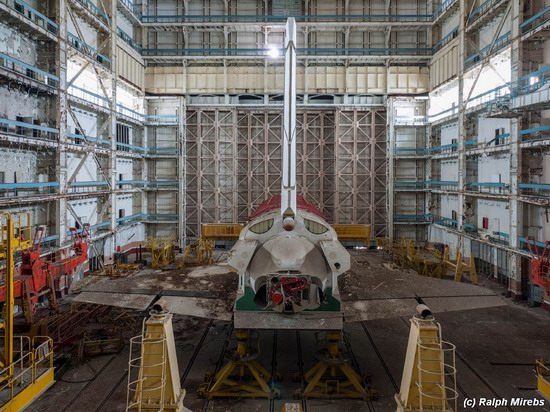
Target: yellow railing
(22, 233)
(220, 231)
(34, 357)
(353, 232)
(543, 378)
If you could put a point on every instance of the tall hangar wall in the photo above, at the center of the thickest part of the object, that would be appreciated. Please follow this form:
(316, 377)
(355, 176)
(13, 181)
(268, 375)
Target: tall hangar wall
(229, 71)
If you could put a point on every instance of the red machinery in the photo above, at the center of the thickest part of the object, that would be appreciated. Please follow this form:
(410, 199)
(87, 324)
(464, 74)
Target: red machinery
(540, 263)
(39, 277)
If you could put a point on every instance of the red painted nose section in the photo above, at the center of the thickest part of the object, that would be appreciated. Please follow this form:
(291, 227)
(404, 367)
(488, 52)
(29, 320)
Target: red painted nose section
(288, 224)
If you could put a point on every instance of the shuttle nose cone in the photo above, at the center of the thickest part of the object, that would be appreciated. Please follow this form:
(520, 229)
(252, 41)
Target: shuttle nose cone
(288, 252)
(288, 224)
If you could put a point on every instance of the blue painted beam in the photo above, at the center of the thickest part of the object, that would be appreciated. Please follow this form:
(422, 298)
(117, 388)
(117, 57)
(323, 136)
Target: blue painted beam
(31, 126)
(300, 51)
(29, 67)
(544, 186)
(487, 184)
(525, 25)
(27, 185)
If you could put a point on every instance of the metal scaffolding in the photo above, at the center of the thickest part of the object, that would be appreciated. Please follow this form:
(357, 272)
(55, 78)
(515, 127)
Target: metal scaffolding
(234, 155)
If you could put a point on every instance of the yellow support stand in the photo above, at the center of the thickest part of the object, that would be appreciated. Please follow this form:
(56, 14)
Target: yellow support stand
(205, 252)
(426, 262)
(153, 356)
(426, 374)
(241, 377)
(461, 266)
(21, 380)
(543, 378)
(162, 251)
(332, 377)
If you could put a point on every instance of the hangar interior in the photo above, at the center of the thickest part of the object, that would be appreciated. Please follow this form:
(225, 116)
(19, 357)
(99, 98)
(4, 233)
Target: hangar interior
(427, 120)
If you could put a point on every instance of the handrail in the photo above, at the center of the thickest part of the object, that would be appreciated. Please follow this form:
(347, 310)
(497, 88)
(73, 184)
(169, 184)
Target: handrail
(95, 10)
(480, 10)
(530, 20)
(88, 50)
(132, 7)
(32, 185)
(442, 8)
(101, 100)
(543, 186)
(90, 139)
(35, 16)
(300, 51)
(488, 184)
(427, 183)
(499, 43)
(29, 126)
(445, 40)
(129, 40)
(302, 18)
(89, 184)
(412, 218)
(49, 77)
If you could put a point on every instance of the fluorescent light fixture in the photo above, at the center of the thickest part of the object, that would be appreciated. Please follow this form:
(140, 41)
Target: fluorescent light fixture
(273, 52)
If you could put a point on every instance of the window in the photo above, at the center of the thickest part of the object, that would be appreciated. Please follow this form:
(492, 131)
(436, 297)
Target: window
(454, 215)
(315, 227)
(121, 213)
(485, 223)
(262, 227)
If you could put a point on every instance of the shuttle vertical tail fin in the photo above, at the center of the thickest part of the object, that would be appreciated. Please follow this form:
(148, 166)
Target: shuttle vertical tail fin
(288, 189)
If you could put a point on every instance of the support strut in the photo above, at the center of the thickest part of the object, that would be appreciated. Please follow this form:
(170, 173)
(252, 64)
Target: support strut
(241, 377)
(333, 377)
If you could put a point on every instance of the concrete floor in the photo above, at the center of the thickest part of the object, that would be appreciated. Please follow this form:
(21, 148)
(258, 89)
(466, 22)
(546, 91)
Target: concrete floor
(496, 350)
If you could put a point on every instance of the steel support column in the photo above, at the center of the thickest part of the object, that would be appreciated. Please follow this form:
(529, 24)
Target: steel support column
(61, 159)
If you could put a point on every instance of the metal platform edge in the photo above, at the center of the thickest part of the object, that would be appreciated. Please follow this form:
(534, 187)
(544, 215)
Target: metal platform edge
(298, 321)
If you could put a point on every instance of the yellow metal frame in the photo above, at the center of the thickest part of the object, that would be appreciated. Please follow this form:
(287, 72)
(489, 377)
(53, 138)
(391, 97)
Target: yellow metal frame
(200, 254)
(461, 266)
(220, 231)
(350, 232)
(426, 373)
(162, 251)
(543, 378)
(30, 375)
(430, 262)
(332, 377)
(22, 380)
(21, 230)
(153, 355)
(250, 378)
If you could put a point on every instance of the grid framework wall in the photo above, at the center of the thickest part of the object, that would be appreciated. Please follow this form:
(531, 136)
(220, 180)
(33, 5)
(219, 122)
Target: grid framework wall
(234, 158)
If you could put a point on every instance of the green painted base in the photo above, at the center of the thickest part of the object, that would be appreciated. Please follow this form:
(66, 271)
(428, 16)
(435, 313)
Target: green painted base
(246, 303)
